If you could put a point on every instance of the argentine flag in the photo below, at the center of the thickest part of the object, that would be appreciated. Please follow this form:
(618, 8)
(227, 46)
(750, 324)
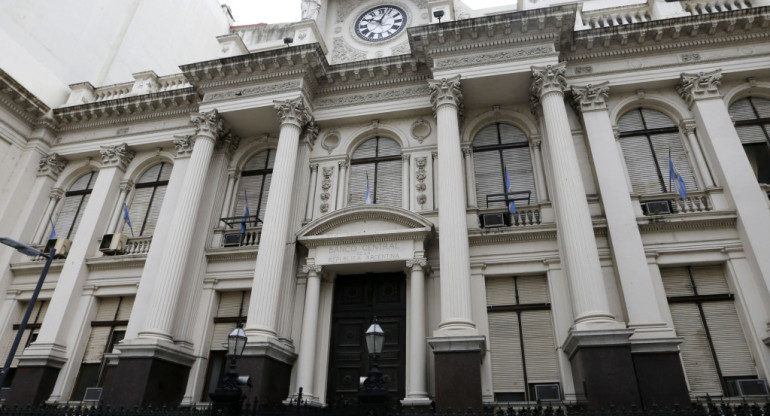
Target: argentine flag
(676, 178)
(128, 220)
(512, 204)
(246, 214)
(368, 194)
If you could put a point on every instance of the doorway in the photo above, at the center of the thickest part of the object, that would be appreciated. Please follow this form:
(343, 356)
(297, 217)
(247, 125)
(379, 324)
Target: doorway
(357, 298)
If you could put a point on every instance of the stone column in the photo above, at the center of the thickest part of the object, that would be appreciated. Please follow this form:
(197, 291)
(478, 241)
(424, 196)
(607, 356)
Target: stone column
(417, 348)
(731, 168)
(160, 319)
(405, 181)
(542, 192)
(232, 178)
(125, 188)
(651, 334)
(311, 192)
(263, 307)
(470, 185)
(446, 97)
(307, 347)
(688, 128)
(457, 347)
(53, 198)
(434, 178)
(341, 179)
(573, 220)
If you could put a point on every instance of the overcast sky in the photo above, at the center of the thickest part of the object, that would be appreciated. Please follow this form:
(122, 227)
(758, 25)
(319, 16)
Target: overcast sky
(278, 11)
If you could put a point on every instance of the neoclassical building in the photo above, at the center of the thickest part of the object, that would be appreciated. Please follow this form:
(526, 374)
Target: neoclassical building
(554, 201)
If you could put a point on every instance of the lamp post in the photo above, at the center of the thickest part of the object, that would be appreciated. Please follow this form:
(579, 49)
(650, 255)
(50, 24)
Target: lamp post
(373, 397)
(29, 251)
(227, 397)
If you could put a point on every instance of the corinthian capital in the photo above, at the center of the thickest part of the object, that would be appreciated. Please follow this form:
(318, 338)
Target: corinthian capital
(209, 123)
(52, 166)
(293, 112)
(699, 86)
(591, 97)
(418, 263)
(446, 92)
(550, 78)
(184, 145)
(116, 156)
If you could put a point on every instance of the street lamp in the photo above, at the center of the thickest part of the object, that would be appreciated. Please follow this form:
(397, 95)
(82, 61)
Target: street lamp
(373, 398)
(227, 397)
(33, 252)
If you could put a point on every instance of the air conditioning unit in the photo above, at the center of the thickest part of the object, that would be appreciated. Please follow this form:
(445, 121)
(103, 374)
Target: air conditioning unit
(113, 244)
(233, 240)
(93, 394)
(61, 245)
(494, 220)
(547, 392)
(656, 207)
(751, 387)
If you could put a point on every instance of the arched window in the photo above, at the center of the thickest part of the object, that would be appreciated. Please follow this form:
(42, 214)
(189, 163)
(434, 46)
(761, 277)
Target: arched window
(752, 121)
(149, 192)
(376, 163)
(255, 185)
(647, 137)
(75, 200)
(496, 148)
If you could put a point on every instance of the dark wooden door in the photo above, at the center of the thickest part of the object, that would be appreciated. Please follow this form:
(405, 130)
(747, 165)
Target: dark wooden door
(356, 300)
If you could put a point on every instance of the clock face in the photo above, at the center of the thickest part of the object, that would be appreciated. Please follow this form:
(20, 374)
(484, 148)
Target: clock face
(380, 23)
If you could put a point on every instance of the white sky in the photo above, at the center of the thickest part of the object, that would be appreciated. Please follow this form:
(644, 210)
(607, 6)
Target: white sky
(279, 11)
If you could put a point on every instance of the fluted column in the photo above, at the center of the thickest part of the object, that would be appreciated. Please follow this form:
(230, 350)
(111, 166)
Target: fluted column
(688, 128)
(469, 175)
(446, 97)
(405, 188)
(266, 287)
(160, 317)
(731, 166)
(573, 219)
(542, 192)
(311, 192)
(343, 174)
(307, 348)
(627, 247)
(417, 347)
(53, 199)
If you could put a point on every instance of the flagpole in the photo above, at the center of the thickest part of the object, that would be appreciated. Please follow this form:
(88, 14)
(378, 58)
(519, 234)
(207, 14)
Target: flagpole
(669, 169)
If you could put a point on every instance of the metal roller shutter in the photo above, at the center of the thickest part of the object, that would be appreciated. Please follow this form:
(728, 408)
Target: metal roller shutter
(709, 280)
(539, 347)
(357, 187)
(108, 309)
(97, 343)
(388, 190)
(221, 331)
(366, 150)
(231, 305)
(676, 281)
(489, 179)
(37, 316)
(518, 161)
(505, 352)
(500, 291)
(387, 147)
(532, 289)
(729, 342)
(154, 212)
(640, 162)
(137, 210)
(126, 305)
(695, 350)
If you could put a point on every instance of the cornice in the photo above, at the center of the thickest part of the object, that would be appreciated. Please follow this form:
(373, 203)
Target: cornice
(481, 237)
(680, 222)
(20, 100)
(408, 219)
(147, 106)
(217, 255)
(681, 33)
(116, 262)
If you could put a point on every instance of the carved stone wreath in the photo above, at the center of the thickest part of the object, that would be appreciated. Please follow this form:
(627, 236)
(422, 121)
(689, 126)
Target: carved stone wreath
(326, 185)
(421, 175)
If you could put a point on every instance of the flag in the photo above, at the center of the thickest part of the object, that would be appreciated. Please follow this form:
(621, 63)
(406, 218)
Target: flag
(676, 178)
(53, 230)
(246, 214)
(368, 194)
(512, 204)
(128, 219)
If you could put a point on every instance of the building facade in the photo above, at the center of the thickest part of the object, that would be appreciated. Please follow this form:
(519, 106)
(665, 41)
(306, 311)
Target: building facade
(551, 201)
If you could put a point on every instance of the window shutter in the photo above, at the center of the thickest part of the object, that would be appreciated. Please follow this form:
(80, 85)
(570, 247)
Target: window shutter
(126, 305)
(656, 120)
(500, 291)
(221, 331)
(367, 149)
(665, 142)
(539, 346)
(676, 281)
(640, 164)
(631, 121)
(511, 134)
(505, 352)
(84, 182)
(97, 343)
(357, 191)
(486, 136)
(153, 213)
(136, 212)
(729, 342)
(752, 134)
(695, 350)
(108, 307)
(387, 147)
(151, 175)
(709, 280)
(229, 307)
(519, 164)
(532, 289)
(388, 183)
(489, 179)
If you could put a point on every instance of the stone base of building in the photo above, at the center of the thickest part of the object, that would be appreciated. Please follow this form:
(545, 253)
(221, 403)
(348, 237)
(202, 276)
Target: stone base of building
(269, 365)
(32, 384)
(458, 371)
(659, 373)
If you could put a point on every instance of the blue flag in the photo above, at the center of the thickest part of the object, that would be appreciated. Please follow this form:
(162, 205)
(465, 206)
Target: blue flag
(246, 214)
(128, 219)
(676, 178)
(512, 204)
(368, 195)
(53, 230)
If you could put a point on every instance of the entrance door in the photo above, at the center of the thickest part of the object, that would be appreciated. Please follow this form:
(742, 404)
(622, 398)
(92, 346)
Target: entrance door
(356, 300)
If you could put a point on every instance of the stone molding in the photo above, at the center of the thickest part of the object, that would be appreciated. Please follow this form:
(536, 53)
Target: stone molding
(293, 111)
(407, 219)
(126, 186)
(20, 100)
(311, 131)
(373, 96)
(312, 268)
(259, 90)
(52, 166)
(209, 124)
(421, 174)
(549, 79)
(184, 145)
(229, 143)
(493, 57)
(446, 92)
(116, 156)
(700, 86)
(591, 97)
(417, 263)
(56, 194)
(326, 185)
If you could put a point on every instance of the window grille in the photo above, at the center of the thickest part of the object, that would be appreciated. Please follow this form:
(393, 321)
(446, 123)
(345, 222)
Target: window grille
(149, 193)
(379, 160)
(646, 137)
(752, 121)
(75, 201)
(498, 147)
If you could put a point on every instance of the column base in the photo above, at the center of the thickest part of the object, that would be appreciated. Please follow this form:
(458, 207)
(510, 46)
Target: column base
(602, 368)
(33, 381)
(269, 365)
(153, 374)
(458, 371)
(659, 373)
(416, 402)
